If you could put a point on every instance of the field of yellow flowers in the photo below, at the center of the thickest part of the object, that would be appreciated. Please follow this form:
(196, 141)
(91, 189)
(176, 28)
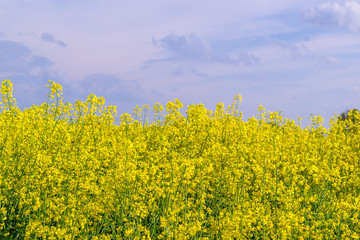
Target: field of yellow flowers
(69, 172)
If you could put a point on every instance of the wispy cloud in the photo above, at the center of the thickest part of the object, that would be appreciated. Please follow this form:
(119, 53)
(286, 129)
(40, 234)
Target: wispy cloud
(177, 72)
(185, 46)
(192, 46)
(198, 74)
(248, 59)
(49, 38)
(344, 15)
(297, 49)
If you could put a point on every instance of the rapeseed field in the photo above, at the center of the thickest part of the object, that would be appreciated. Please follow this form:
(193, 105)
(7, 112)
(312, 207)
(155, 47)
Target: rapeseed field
(71, 172)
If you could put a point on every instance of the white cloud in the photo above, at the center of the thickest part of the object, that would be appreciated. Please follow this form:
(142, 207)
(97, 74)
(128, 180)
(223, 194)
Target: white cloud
(345, 15)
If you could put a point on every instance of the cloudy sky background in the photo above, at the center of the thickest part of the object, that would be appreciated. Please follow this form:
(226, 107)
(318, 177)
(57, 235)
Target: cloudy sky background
(298, 57)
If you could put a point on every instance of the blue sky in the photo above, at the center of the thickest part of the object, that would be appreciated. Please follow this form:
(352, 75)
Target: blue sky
(298, 57)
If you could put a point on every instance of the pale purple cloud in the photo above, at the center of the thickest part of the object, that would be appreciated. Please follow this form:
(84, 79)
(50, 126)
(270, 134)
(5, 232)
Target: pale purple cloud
(192, 46)
(197, 73)
(185, 46)
(49, 38)
(177, 72)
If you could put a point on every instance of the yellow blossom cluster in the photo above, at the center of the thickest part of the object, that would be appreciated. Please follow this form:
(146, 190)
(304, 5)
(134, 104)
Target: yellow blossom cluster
(70, 172)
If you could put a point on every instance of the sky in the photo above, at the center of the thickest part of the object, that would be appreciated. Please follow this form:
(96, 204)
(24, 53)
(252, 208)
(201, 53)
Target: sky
(298, 57)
